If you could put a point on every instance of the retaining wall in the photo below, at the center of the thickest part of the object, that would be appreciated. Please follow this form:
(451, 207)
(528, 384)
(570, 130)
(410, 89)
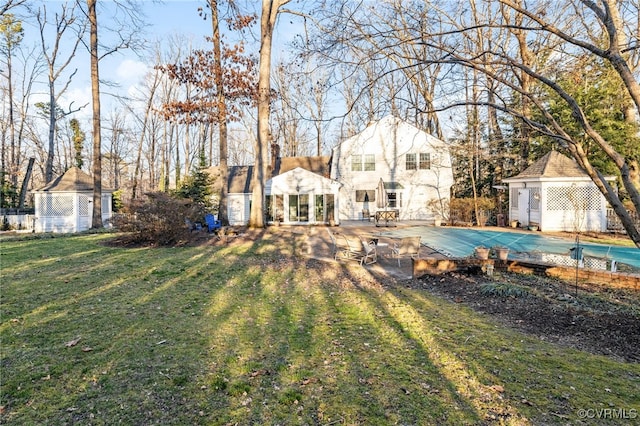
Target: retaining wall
(431, 266)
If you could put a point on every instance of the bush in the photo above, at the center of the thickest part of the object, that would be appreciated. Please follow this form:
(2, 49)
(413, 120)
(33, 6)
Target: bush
(159, 219)
(463, 210)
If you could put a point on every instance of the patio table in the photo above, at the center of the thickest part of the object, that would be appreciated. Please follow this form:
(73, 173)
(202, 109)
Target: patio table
(389, 217)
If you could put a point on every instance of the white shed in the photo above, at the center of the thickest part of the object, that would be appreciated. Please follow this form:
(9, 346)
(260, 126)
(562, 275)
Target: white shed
(555, 194)
(64, 204)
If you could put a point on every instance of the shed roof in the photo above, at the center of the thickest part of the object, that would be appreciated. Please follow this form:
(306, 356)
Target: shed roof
(73, 180)
(552, 165)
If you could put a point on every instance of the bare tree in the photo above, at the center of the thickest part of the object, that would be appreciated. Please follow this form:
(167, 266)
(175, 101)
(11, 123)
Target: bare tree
(10, 4)
(127, 34)
(96, 131)
(12, 34)
(270, 10)
(67, 19)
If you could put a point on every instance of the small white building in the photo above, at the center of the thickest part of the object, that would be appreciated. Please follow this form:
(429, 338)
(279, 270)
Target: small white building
(414, 166)
(555, 194)
(299, 192)
(301, 197)
(64, 204)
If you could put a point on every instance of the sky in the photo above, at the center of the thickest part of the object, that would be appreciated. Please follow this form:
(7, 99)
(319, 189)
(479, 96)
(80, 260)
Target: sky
(126, 69)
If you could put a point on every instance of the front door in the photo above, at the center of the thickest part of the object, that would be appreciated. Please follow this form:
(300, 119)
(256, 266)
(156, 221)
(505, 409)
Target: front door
(523, 206)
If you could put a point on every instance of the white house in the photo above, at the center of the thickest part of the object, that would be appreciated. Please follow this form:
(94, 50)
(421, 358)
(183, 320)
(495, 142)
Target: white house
(301, 197)
(555, 194)
(414, 166)
(299, 192)
(64, 204)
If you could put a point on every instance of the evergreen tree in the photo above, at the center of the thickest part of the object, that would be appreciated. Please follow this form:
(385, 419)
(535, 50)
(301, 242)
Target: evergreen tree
(198, 186)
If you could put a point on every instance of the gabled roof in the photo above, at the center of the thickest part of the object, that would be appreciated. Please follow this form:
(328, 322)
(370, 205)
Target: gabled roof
(390, 130)
(320, 165)
(552, 165)
(73, 180)
(239, 181)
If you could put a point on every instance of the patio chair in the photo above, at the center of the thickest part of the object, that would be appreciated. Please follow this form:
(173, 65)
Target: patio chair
(213, 224)
(334, 244)
(407, 247)
(355, 248)
(370, 252)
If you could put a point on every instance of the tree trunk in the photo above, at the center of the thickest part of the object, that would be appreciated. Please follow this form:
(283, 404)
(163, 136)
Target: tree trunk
(52, 127)
(25, 183)
(267, 23)
(147, 113)
(95, 94)
(13, 175)
(223, 216)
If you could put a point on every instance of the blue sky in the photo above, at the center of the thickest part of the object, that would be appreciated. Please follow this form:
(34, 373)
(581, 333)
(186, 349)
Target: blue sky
(166, 18)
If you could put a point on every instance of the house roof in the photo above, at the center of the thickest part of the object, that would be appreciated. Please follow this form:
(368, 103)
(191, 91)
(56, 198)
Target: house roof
(239, 181)
(73, 180)
(392, 130)
(552, 165)
(318, 164)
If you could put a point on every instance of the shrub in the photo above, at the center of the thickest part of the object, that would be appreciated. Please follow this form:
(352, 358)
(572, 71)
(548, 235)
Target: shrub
(504, 289)
(463, 209)
(159, 219)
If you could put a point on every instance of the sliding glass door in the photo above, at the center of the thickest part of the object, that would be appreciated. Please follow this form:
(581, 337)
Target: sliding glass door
(298, 207)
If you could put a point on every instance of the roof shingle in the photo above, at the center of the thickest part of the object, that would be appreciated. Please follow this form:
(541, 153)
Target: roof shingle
(553, 164)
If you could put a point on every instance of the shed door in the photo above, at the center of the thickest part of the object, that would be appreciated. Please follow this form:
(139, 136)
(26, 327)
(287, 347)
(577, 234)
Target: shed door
(236, 211)
(523, 206)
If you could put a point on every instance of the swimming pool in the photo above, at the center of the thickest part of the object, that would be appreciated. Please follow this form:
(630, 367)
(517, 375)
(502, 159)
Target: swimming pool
(460, 242)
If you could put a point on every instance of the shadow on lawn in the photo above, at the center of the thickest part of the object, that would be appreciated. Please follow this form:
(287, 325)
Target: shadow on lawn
(296, 338)
(247, 332)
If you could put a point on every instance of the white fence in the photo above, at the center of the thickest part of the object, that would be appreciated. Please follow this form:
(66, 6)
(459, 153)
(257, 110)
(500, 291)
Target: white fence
(17, 220)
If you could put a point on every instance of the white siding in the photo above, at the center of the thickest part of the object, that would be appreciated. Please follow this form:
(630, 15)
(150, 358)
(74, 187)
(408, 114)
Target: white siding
(389, 140)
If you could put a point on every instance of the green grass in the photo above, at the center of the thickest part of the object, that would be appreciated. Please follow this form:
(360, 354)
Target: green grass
(249, 334)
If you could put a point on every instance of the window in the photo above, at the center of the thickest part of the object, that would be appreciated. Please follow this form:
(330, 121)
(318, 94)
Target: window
(324, 207)
(425, 161)
(395, 199)
(275, 208)
(356, 163)
(411, 163)
(364, 195)
(369, 163)
(319, 208)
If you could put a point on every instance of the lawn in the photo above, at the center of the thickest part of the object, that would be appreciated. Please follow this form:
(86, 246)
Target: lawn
(253, 333)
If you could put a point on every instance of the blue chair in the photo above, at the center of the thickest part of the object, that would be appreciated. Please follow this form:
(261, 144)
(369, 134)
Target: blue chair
(213, 224)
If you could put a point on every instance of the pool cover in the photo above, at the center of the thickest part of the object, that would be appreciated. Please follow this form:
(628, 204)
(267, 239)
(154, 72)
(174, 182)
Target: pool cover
(460, 242)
